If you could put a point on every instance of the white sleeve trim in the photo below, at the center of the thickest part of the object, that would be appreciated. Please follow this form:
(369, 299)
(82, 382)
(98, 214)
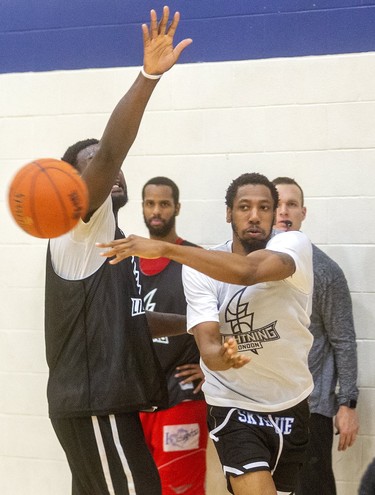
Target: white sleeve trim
(74, 255)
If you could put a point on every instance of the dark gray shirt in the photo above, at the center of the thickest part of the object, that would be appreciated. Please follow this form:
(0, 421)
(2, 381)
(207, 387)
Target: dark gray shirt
(333, 356)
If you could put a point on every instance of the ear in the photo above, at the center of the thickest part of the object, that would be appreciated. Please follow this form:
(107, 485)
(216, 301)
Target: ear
(229, 215)
(177, 209)
(304, 211)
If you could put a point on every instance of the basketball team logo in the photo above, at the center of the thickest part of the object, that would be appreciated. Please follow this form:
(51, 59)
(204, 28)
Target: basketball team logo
(137, 306)
(137, 302)
(241, 321)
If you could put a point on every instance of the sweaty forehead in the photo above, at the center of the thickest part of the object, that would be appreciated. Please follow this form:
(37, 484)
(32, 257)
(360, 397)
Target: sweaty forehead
(253, 193)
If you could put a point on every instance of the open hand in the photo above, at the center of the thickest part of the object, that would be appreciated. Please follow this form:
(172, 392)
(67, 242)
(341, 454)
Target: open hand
(230, 354)
(159, 53)
(131, 246)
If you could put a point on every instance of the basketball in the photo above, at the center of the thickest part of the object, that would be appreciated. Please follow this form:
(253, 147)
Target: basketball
(47, 197)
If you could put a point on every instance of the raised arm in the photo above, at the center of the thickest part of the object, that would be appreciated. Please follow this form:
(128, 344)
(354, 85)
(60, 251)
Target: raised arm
(122, 127)
(259, 266)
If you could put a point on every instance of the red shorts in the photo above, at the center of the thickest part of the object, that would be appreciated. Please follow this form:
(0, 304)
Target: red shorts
(177, 439)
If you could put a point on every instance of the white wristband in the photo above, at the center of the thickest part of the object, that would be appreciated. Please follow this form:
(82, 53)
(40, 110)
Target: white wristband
(150, 76)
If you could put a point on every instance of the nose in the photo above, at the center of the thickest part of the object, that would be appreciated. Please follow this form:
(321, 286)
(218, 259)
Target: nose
(254, 215)
(282, 209)
(156, 209)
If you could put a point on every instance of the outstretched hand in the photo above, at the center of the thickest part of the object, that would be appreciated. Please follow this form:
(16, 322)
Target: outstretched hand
(132, 246)
(159, 53)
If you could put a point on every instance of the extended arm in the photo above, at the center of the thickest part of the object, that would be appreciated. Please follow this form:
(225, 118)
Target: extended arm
(259, 266)
(123, 125)
(165, 324)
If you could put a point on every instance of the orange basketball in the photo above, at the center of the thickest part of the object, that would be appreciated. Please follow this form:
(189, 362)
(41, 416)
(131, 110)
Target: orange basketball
(47, 197)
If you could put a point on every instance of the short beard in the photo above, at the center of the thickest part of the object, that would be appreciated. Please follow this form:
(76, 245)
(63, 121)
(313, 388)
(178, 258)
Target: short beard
(162, 230)
(253, 245)
(250, 245)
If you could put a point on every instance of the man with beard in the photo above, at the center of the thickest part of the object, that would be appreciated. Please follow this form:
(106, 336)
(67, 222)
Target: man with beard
(102, 366)
(333, 357)
(176, 436)
(252, 333)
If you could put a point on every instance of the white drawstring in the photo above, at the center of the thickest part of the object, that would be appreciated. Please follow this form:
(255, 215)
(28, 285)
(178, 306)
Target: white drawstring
(221, 425)
(281, 441)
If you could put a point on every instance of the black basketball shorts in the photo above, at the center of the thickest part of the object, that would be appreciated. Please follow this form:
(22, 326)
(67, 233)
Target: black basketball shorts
(249, 441)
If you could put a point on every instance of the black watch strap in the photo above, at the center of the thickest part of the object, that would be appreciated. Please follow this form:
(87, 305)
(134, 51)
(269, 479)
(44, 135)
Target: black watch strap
(352, 404)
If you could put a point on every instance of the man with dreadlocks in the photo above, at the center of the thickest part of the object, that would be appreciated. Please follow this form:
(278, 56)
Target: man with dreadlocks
(102, 365)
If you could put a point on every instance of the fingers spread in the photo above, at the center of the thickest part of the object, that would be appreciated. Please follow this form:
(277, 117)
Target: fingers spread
(164, 21)
(153, 24)
(174, 24)
(145, 34)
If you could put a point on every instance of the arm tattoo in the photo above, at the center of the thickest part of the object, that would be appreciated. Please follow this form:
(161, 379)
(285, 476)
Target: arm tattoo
(288, 261)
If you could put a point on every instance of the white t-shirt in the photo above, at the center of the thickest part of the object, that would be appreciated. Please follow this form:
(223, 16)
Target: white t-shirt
(270, 321)
(74, 255)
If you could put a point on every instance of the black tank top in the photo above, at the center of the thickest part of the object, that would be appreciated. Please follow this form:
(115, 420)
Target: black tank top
(98, 345)
(164, 292)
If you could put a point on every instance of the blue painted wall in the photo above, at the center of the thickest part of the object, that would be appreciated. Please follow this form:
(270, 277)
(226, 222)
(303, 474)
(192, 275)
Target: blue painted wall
(43, 35)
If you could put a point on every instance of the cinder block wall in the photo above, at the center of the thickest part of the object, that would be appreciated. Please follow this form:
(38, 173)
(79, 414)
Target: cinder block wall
(311, 118)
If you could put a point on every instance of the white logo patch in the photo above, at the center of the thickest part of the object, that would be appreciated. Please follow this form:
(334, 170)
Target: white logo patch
(137, 306)
(150, 306)
(180, 437)
(161, 340)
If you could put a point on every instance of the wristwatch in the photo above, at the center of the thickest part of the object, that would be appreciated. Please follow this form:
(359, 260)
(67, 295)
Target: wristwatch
(352, 404)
